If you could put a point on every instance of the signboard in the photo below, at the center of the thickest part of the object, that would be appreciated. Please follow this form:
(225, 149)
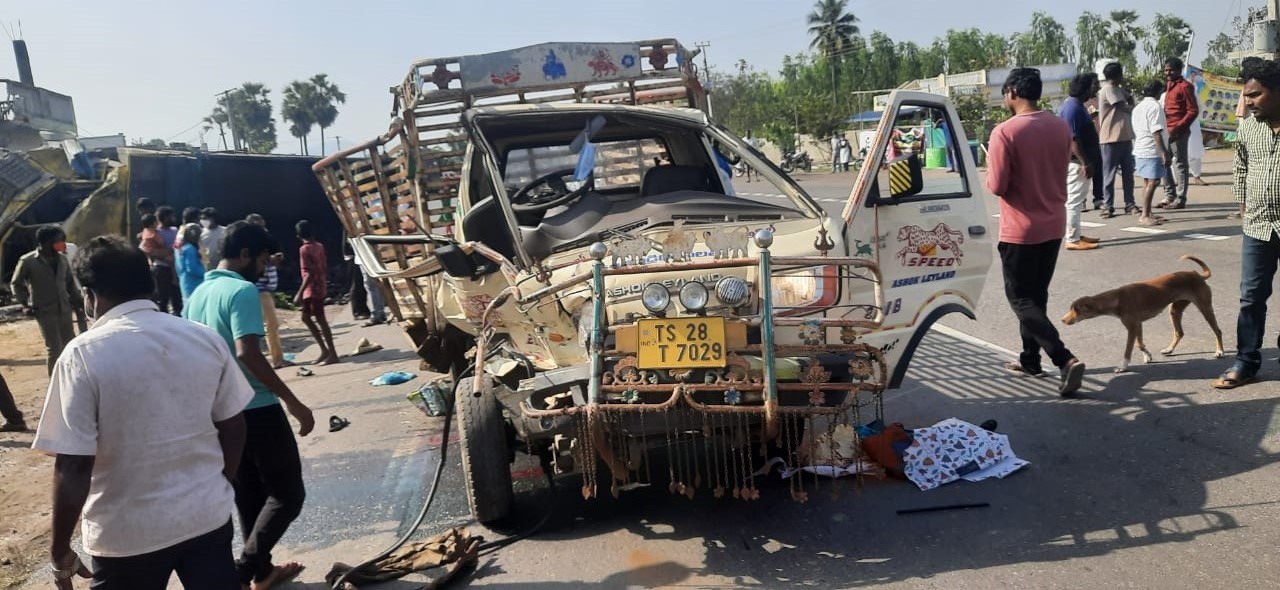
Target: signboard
(550, 64)
(1218, 98)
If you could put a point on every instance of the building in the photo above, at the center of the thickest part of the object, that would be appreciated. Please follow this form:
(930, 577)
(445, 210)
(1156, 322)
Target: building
(989, 83)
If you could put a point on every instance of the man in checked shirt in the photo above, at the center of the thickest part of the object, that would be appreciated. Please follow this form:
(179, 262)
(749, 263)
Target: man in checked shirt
(1257, 190)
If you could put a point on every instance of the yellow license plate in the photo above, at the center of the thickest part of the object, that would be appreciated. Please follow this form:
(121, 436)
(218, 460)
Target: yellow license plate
(681, 343)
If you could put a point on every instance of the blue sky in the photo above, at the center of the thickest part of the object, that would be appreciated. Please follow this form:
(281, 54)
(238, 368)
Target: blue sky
(150, 68)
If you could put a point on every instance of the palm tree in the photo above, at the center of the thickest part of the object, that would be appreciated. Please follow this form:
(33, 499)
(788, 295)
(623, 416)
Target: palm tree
(832, 28)
(298, 109)
(328, 97)
(1123, 35)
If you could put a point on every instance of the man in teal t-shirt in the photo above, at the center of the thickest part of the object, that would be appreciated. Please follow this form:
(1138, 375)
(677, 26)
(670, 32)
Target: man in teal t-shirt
(269, 487)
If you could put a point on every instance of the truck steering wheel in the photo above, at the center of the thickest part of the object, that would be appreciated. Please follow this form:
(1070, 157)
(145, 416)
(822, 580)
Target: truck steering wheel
(525, 201)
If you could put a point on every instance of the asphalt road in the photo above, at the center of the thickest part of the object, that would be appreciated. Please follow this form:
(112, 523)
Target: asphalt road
(1149, 479)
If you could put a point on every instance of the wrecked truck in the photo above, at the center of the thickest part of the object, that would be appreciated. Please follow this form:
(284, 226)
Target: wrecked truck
(558, 225)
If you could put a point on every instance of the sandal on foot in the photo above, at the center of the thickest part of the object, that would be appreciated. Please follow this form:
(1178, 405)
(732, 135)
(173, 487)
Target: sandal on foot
(1021, 371)
(280, 575)
(1072, 377)
(1233, 378)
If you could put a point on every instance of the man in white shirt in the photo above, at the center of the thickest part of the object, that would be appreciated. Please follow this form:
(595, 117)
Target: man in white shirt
(146, 459)
(211, 237)
(1150, 155)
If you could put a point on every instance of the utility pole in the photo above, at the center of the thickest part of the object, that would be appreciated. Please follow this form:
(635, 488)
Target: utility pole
(706, 72)
(338, 138)
(230, 120)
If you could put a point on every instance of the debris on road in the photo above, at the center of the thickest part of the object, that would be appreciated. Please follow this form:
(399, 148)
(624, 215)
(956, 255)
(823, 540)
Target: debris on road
(430, 398)
(954, 449)
(365, 347)
(455, 546)
(393, 378)
(944, 507)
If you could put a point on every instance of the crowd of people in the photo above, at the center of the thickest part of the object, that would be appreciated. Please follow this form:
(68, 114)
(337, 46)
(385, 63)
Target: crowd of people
(1035, 154)
(156, 496)
(1118, 138)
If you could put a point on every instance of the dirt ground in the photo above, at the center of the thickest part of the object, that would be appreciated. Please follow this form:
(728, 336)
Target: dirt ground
(24, 474)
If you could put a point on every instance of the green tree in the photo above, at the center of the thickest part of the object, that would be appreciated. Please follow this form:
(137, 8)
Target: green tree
(1122, 37)
(248, 111)
(933, 61)
(966, 51)
(911, 66)
(298, 108)
(998, 49)
(1216, 60)
(1045, 42)
(328, 97)
(1170, 37)
(884, 62)
(1091, 30)
(832, 28)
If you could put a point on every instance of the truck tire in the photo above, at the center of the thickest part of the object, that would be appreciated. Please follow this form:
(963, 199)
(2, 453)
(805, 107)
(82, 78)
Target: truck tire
(486, 466)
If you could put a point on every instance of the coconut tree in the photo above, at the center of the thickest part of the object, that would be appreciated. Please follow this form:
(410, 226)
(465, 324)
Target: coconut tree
(832, 28)
(298, 109)
(326, 101)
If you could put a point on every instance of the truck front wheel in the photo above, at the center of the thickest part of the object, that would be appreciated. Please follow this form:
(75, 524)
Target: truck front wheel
(486, 466)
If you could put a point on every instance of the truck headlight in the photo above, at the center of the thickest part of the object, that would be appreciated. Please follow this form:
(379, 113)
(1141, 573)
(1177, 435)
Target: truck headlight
(694, 296)
(732, 291)
(655, 298)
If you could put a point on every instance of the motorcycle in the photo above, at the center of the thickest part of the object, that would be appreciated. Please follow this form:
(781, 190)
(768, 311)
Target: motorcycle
(792, 160)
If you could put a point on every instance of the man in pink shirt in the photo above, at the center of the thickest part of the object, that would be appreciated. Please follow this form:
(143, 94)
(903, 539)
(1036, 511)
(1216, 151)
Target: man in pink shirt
(1027, 169)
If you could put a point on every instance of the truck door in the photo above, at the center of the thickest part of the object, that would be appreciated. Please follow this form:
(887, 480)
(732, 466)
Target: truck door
(918, 207)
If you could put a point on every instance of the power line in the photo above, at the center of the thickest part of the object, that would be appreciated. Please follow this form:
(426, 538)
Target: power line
(201, 122)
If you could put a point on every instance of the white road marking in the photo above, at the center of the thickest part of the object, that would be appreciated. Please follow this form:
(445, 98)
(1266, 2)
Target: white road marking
(995, 215)
(1213, 237)
(974, 340)
(1145, 230)
(1092, 224)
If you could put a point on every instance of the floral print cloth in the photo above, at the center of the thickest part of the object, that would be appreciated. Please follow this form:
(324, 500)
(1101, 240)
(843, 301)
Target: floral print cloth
(954, 449)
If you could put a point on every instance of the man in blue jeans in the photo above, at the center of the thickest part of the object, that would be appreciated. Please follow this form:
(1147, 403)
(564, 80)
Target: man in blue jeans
(377, 306)
(1257, 190)
(1115, 132)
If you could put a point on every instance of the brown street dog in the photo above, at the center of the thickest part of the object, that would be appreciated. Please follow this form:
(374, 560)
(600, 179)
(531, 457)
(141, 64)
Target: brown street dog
(1138, 302)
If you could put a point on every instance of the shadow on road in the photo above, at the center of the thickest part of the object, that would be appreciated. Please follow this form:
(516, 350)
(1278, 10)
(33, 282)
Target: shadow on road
(1123, 466)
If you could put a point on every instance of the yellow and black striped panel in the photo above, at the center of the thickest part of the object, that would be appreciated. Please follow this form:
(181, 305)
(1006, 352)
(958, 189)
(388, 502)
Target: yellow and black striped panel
(900, 177)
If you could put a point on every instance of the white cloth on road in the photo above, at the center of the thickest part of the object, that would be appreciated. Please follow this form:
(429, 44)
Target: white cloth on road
(955, 449)
(157, 475)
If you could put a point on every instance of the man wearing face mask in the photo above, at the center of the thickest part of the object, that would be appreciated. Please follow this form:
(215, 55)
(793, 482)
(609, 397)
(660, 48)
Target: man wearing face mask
(44, 285)
(211, 237)
(269, 487)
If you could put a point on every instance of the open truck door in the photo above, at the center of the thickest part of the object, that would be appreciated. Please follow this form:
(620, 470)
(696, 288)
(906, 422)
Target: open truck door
(918, 209)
